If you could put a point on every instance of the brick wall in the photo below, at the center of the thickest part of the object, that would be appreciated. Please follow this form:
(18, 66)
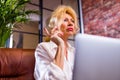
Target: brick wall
(102, 17)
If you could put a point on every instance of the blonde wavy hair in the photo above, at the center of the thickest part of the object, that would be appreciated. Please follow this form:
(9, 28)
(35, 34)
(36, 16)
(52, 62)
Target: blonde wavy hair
(57, 15)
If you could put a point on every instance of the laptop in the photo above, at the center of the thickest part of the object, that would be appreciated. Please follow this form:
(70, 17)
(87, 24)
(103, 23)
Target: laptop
(96, 58)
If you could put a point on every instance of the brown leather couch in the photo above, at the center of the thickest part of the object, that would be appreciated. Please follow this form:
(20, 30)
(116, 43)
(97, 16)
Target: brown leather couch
(16, 64)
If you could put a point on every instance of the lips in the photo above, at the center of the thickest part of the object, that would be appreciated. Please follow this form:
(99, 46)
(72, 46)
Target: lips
(69, 29)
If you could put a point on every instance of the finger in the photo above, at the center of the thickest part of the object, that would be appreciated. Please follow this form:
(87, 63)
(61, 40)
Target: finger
(46, 31)
(59, 28)
(54, 29)
(58, 33)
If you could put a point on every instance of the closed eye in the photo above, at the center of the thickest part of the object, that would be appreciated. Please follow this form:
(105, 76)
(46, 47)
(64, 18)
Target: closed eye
(65, 19)
(73, 21)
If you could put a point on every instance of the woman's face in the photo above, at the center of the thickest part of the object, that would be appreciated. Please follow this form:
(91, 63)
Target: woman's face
(68, 25)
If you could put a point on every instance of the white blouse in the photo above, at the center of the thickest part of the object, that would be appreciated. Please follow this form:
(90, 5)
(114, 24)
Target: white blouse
(45, 69)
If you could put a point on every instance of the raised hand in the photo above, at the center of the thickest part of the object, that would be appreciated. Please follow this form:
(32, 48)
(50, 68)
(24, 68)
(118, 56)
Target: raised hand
(55, 35)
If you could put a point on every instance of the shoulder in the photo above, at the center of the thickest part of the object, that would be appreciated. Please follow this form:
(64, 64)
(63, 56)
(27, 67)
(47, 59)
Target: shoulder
(46, 49)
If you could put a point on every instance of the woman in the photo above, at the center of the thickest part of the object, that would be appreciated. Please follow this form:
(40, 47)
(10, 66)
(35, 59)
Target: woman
(55, 59)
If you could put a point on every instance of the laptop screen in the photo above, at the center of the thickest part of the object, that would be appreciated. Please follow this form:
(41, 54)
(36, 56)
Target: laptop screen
(96, 58)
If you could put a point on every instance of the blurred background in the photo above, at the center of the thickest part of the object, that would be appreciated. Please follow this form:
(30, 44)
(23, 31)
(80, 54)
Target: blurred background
(96, 17)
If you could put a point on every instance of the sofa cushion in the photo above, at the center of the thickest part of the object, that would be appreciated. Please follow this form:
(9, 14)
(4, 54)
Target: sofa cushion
(16, 64)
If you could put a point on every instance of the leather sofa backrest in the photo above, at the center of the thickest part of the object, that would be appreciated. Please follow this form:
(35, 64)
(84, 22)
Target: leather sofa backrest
(16, 64)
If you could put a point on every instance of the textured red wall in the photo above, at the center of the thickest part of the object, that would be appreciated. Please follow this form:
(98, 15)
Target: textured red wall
(102, 17)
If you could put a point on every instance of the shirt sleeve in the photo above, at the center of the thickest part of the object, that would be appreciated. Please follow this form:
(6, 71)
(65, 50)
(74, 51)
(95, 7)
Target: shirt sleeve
(45, 69)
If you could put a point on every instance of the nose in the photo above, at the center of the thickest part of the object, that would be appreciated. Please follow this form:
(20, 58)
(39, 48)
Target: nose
(70, 23)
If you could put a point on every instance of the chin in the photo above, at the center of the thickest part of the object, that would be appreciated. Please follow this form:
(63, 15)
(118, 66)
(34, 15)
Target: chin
(71, 34)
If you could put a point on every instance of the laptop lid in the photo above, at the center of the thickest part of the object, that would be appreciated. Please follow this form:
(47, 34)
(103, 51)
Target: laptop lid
(96, 58)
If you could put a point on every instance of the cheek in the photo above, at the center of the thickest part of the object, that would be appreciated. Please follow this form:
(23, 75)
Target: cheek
(63, 27)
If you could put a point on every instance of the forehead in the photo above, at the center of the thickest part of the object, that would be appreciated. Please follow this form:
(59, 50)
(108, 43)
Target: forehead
(67, 16)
